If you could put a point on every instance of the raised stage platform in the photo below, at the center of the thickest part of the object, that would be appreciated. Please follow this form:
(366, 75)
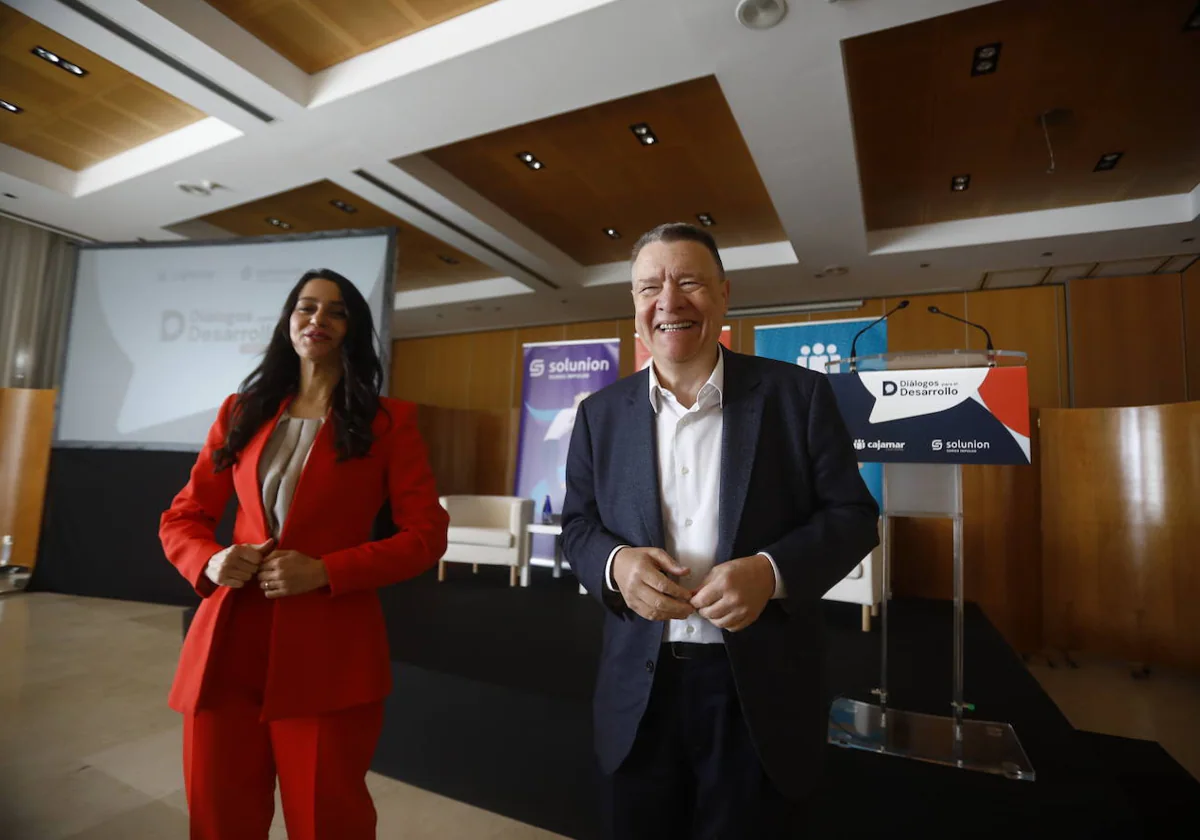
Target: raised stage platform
(492, 707)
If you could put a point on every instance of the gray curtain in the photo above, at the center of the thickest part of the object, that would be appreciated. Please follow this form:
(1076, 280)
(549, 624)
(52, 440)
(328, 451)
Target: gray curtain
(37, 282)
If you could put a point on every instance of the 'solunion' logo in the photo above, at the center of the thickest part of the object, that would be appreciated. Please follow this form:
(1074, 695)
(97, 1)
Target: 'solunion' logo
(537, 367)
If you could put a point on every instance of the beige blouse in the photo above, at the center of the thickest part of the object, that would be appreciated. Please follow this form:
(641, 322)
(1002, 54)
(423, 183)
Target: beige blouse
(282, 462)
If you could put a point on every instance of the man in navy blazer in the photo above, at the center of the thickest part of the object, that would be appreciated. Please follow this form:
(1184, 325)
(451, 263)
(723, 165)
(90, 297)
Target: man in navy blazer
(712, 499)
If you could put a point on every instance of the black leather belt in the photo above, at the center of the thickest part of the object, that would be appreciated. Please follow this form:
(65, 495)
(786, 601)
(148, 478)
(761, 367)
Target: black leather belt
(691, 650)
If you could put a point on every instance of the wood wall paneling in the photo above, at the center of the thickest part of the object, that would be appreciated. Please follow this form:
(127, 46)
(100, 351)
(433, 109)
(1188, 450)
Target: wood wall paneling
(1119, 524)
(1126, 336)
(1026, 320)
(1191, 328)
(26, 432)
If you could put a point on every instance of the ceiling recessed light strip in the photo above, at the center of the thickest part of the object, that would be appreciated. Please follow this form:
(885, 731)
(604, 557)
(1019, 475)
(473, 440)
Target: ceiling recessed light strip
(706, 219)
(279, 223)
(10, 107)
(644, 133)
(986, 59)
(530, 160)
(612, 233)
(58, 61)
(1108, 161)
(960, 183)
(343, 206)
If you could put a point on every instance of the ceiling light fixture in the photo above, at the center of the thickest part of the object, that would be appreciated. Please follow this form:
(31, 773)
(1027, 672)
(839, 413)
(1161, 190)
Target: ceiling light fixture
(1047, 253)
(760, 14)
(1187, 239)
(706, 219)
(58, 61)
(11, 107)
(447, 259)
(529, 160)
(986, 59)
(959, 183)
(1108, 161)
(1193, 22)
(279, 223)
(793, 308)
(644, 133)
(200, 188)
(10, 195)
(343, 206)
(612, 233)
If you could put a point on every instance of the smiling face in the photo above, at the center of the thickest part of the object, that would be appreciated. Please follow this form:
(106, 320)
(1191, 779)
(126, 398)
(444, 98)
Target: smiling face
(680, 300)
(318, 322)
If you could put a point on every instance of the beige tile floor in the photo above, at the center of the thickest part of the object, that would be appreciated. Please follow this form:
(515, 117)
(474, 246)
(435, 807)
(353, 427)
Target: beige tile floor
(89, 750)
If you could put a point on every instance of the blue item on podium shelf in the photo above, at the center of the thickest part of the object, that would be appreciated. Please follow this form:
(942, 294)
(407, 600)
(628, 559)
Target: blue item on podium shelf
(547, 512)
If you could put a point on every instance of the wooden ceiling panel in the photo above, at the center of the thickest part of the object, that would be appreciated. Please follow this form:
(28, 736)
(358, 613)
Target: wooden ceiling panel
(1125, 72)
(317, 34)
(598, 175)
(76, 121)
(419, 256)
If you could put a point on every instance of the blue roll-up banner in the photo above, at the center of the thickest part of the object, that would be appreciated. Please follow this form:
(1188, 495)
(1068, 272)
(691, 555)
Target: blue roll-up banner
(558, 376)
(812, 344)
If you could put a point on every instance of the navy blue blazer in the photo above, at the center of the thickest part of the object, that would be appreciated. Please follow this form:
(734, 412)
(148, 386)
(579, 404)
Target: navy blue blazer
(789, 486)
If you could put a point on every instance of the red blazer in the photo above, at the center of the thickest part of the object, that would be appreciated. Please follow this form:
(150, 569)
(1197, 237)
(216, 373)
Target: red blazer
(328, 647)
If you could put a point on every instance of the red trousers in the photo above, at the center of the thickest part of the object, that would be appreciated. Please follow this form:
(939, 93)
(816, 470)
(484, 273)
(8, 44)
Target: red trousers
(231, 757)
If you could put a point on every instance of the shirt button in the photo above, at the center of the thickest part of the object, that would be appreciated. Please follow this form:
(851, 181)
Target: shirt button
(687, 522)
(649, 666)
(685, 471)
(691, 629)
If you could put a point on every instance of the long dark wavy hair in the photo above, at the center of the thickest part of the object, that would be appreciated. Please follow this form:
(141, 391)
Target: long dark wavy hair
(355, 400)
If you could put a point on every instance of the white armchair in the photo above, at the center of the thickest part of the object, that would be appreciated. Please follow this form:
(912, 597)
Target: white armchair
(862, 586)
(487, 530)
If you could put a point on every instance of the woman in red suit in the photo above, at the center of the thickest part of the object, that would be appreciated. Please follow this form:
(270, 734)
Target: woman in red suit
(285, 667)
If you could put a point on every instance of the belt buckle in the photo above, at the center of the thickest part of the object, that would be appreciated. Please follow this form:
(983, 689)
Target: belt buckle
(676, 647)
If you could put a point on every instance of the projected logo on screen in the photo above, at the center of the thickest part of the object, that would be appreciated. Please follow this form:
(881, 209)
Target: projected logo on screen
(238, 327)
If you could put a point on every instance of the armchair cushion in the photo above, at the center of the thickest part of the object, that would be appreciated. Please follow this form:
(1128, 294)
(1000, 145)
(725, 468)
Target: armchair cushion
(495, 537)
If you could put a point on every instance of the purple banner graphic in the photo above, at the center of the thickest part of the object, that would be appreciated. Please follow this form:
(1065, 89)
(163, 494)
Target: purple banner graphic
(558, 376)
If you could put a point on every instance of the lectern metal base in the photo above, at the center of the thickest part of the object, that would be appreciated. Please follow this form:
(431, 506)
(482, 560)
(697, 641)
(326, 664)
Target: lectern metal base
(986, 746)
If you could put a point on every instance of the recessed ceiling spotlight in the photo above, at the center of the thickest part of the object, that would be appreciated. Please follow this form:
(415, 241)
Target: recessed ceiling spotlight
(706, 219)
(11, 107)
(986, 59)
(279, 223)
(959, 183)
(924, 265)
(529, 160)
(10, 195)
(612, 233)
(1047, 253)
(447, 259)
(644, 134)
(835, 270)
(760, 14)
(1193, 21)
(1108, 161)
(58, 61)
(343, 206)
(1187, 239)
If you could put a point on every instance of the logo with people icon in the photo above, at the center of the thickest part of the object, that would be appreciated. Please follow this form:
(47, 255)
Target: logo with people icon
(816, 356)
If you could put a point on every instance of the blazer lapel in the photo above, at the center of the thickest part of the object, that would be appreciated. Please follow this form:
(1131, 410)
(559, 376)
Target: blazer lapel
(741, 418)
(246, 481)
(639, 460)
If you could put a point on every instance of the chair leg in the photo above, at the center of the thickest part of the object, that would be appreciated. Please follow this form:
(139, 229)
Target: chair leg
(512, 575)
(874, 610)
(441, 570)
(474, 568)
(866, 619)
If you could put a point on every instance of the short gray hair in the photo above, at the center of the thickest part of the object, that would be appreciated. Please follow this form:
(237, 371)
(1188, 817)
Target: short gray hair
(680, 232)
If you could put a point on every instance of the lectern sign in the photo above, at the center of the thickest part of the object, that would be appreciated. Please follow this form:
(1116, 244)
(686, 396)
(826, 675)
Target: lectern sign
(972, 415)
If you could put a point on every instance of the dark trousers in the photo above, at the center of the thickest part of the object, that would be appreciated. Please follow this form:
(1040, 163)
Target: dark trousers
(693, 772)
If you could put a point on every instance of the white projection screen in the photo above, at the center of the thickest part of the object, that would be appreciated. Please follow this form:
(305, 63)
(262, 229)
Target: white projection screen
(161, 333)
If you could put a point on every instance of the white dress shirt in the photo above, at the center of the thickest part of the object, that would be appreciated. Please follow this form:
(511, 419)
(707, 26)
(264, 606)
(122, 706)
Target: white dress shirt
(689, 481)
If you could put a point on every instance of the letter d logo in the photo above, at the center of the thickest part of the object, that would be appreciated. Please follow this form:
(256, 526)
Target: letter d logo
(889, 388)
(172, 325)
